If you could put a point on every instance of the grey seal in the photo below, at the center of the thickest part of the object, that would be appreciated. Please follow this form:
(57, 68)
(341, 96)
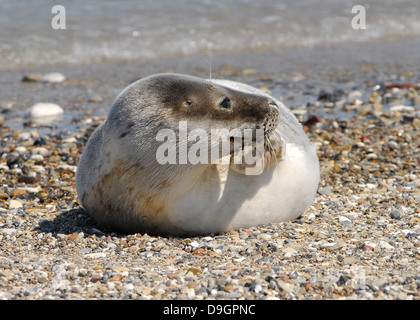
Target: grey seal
(123, 184)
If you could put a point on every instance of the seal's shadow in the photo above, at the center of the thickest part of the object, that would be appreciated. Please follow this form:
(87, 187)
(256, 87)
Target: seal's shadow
(71, 221)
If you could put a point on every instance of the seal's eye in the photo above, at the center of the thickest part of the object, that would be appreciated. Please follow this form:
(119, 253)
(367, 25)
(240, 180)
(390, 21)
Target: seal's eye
(225, 103)
(189, 103)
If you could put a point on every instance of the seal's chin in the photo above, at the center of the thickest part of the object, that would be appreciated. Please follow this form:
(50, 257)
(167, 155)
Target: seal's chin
(253, 158)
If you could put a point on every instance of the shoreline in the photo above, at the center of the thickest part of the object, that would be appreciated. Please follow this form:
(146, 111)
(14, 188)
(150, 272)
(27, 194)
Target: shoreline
(301, 71)
(374, 49)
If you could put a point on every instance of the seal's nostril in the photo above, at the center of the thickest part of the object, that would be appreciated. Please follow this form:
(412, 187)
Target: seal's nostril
(272, 103)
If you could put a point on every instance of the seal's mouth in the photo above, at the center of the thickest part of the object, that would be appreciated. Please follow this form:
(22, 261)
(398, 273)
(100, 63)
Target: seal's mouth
(252, 158)
(266, 133)
(265, 146)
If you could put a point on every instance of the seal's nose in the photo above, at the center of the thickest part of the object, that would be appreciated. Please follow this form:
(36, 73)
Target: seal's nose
(273, 103)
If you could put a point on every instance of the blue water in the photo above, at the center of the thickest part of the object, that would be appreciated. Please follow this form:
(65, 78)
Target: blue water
(98, 30)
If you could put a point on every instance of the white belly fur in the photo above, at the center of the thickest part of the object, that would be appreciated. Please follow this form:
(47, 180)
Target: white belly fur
(281, 193)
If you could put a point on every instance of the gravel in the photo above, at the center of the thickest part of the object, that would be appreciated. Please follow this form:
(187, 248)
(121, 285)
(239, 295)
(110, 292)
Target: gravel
(358, 240)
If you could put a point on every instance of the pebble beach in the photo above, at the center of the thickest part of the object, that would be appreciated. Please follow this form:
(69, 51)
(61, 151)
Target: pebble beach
(360, 239)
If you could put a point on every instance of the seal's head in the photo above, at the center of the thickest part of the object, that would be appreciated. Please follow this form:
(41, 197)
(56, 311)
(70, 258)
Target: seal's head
(245, 120)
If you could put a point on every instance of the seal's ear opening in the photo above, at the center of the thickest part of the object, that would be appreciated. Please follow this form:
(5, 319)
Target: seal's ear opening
(226, 103)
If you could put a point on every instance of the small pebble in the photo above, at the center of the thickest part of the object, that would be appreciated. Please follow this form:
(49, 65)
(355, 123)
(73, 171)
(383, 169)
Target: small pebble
(264, 237)
(346, 222)
(21, 150)
(32, 77)
(401, 108)
(395, 214)
(325, 191)
(15, 204)
(8, 231)
(37, 157)
(54, 77)
(44, 109)
(371, 156)
(96, 98)
(24, 136)
(349, 260)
